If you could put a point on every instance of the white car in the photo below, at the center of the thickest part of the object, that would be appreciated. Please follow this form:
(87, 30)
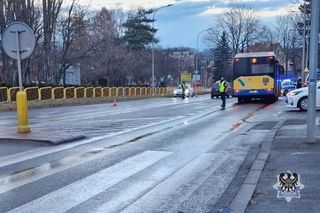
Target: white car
(299, 98)
(189, 92)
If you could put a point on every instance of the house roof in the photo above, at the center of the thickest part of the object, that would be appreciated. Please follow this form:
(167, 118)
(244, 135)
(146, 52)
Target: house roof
(263, 47)
(255, 54)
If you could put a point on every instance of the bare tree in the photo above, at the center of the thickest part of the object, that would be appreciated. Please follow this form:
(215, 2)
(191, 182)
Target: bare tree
(287, 34)
(72, 27)
(50, 11)
(241, 25)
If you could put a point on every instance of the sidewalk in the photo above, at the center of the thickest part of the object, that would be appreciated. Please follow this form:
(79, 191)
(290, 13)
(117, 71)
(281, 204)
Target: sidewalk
(289, 151)
(284, 149)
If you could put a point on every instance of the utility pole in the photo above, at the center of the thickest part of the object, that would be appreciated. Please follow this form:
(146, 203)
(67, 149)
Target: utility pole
(311, 123)
(303, 63)
(286, 53)
(153, 85)
(197, 50)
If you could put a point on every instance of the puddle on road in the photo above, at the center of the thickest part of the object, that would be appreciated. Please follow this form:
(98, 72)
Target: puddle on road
(236, 125)
(31, 174)
(35, 173)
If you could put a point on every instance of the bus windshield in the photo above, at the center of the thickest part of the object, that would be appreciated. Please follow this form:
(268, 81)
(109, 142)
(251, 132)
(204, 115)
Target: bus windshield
(262, 68)
(253, 66)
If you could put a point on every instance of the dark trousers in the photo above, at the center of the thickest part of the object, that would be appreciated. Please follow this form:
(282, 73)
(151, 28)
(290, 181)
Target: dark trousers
(183, 94)
(223, 99)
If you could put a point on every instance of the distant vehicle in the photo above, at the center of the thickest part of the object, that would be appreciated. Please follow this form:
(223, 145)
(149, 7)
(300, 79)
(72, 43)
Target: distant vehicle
(189, 92)
(256, 75)
(299, 98)
(286, 86)
(215, 90)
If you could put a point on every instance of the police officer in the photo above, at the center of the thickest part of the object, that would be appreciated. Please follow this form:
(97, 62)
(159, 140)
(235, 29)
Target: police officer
(183, 87)
(222, 90)
(299, 83)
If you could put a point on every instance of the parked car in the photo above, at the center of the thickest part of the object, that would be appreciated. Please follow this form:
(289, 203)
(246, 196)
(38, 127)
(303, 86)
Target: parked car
(299, 98)
(215, 90)
(189, 92)
(286, 86)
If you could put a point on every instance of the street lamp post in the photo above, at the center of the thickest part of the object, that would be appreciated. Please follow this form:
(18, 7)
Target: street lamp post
(311, 122)
(154, 14)
(198, 46)
(304, 41)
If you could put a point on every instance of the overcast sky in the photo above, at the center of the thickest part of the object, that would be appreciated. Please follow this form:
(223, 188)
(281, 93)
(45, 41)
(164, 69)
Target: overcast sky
(180, 24)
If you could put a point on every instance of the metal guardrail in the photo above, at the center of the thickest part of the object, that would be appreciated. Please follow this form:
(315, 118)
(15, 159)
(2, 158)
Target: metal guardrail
(64, 93)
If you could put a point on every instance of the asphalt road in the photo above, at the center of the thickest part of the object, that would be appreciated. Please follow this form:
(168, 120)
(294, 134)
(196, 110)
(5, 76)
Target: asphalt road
(155, 155)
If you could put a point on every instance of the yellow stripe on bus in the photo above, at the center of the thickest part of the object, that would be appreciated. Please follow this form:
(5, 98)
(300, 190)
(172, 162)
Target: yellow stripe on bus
(253, 82)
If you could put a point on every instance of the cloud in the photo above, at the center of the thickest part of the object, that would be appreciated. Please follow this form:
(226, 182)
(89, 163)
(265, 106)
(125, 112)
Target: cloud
(214, 11)
(261, 12)
(127, 5)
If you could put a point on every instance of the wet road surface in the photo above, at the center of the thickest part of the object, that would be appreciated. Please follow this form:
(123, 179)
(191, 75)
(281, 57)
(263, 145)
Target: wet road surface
(156, 155)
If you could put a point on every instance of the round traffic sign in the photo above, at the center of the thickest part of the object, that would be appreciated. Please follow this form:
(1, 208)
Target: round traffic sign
(27, 40)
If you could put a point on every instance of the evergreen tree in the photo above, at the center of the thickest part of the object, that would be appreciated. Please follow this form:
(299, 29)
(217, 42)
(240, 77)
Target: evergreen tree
(222, 58)
(139, 33)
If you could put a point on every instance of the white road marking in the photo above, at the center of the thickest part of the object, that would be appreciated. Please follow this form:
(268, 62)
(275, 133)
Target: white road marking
(11, 182)
(31, 154)
(71, 195)
(132, 192)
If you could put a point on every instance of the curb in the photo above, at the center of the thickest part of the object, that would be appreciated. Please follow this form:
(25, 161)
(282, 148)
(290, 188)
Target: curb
(244, 195)
(53, 142)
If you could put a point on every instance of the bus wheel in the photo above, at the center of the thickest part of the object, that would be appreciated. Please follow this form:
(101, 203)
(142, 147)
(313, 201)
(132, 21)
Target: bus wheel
(270, 99)
(240, 100)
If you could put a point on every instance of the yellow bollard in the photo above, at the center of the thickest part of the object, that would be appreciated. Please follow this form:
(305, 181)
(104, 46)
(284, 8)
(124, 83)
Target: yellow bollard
(22, 111)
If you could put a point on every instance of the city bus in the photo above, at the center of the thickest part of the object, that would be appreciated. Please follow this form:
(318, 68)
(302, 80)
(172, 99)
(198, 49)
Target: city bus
(256, 75)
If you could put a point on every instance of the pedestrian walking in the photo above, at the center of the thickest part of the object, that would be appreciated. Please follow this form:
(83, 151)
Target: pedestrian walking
(299, 83)
(222, 91)
(183, 87)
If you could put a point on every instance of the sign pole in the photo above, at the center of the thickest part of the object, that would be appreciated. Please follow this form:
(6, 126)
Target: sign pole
(19, 59)
(18, 42)
(311, 123)
(22, 103)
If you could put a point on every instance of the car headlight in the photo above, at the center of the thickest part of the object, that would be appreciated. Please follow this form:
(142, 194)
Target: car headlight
(175, 92)
(293, 93)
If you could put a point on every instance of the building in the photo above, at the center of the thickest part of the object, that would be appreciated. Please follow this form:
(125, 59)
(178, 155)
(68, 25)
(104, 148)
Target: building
(186, 58)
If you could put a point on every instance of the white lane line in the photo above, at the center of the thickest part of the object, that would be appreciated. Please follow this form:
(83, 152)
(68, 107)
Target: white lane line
(130, 193)
(39, 152)
(179, 186)
(71, 195)
(88, 113)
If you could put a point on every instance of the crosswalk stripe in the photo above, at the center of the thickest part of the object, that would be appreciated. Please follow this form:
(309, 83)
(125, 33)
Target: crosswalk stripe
(179, 186)
(71, 195)
(132, 192)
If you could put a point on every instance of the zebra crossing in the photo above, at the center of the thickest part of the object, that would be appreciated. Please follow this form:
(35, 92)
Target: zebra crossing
(182, 175)
(150, 181)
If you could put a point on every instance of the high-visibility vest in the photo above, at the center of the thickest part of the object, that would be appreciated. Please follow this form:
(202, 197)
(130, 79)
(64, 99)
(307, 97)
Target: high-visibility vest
(222, 86)
(183, 86)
